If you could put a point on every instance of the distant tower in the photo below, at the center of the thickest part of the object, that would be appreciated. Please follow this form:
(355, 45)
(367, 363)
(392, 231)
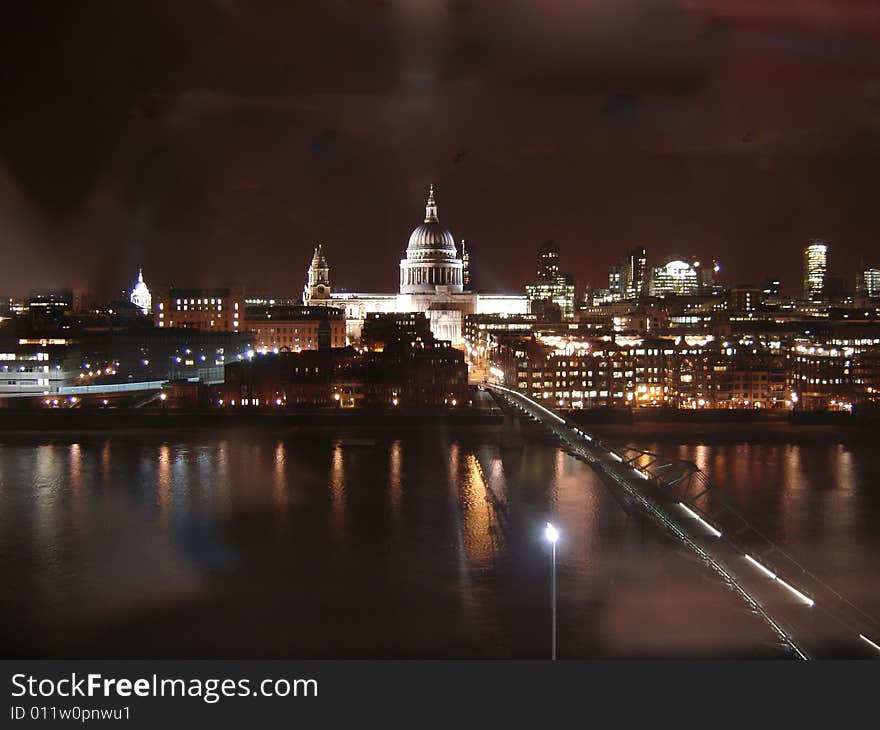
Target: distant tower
(466, 251)
(634, 274)
(815, 270)
(551, 285)
(317, 289)
(140, 296)
(869, 283)
(548, 261)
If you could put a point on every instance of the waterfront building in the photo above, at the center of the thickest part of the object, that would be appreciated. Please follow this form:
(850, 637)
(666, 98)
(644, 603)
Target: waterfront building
(30, 367)
(481, 332)
(425, 374)
(220, 309)
(815, 270)
(140, 295)
(821, 378)
(686, 372)
(866, 376)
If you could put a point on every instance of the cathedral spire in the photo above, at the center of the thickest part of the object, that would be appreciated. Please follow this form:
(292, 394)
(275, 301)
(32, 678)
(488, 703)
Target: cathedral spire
(318, 259)
(431, 207)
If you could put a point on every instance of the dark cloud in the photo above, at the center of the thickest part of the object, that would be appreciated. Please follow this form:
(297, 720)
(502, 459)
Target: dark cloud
(214, 141)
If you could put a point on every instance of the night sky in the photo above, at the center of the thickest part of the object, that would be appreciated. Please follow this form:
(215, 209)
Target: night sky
(217, 142)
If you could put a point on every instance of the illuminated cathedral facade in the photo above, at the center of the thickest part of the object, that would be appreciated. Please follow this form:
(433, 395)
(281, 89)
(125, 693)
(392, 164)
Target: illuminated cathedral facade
(431, 281)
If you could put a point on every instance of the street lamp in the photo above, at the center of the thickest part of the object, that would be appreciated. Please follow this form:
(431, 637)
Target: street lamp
(552, 535)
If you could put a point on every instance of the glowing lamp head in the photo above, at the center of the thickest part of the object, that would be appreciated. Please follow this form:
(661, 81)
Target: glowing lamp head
(551, 533)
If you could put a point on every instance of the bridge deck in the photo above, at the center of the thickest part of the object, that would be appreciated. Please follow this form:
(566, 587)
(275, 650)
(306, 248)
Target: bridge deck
(809, 616)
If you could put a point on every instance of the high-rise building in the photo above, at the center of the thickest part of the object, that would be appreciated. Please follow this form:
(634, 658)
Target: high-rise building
(677, 277)
(140, 295)
(815, 270)
(548, 261)
(869, 283)
(707, 273)
(615, 282)
(634, 274)
(316, 292)
(551, 285)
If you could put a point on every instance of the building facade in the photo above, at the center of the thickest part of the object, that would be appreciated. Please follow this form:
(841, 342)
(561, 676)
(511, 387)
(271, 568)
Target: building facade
(429, 375)
(551, 285)
(203, 309)
(676, 278)
(870, 283)
(635, 270)
(294, 328)
(430, 280)
(815, 270)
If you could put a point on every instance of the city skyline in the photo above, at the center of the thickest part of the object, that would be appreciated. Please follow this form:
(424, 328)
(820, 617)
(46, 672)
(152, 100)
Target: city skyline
(357, 332)
(707, 127)
(653, 267)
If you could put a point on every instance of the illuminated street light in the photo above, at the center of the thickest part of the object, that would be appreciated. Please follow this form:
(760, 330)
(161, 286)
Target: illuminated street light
(552, 535)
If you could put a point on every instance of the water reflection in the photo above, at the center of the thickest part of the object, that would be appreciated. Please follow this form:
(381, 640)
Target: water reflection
(159, 545)
(338, 494)
(395, 480)
(280, 493)
(163, 483)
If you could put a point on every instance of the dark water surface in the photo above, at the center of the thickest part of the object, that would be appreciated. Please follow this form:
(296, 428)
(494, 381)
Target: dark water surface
(292, 544)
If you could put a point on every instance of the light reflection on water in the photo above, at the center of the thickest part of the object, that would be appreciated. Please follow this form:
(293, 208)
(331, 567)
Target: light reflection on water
(250, 544)
(812, 489)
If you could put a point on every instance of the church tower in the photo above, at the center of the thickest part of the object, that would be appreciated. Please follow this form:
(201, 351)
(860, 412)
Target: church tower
(317, 289)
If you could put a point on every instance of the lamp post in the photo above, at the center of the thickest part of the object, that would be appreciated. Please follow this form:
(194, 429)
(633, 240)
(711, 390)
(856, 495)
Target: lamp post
(552, 535)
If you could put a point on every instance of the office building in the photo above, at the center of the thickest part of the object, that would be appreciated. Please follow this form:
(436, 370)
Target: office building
(815, 270)
(551, 286)
(204, 309)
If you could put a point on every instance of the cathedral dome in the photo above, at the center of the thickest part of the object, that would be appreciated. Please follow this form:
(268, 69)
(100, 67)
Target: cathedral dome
(431, 257)
(431, 239)
(140, 295)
